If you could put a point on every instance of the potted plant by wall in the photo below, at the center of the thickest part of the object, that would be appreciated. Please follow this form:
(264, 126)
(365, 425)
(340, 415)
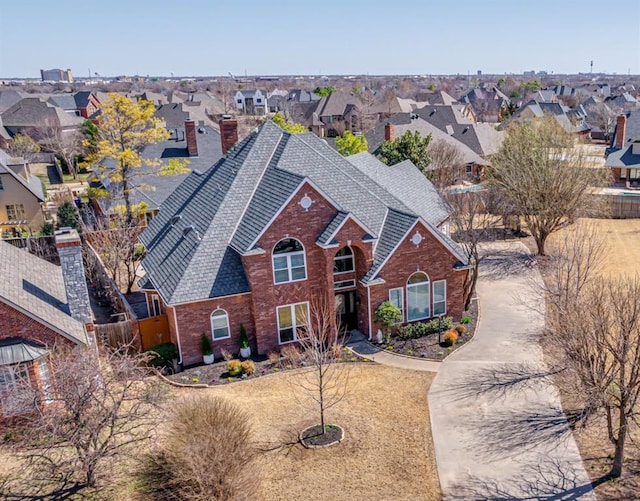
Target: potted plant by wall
(207, 350)
(245, 349)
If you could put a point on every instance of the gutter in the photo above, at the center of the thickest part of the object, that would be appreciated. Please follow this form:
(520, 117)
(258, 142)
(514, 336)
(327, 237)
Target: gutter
(175, 320)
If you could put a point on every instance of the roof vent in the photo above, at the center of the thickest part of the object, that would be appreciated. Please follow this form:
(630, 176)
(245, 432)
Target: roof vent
(197, 172)
(175, 219)
(190, 229)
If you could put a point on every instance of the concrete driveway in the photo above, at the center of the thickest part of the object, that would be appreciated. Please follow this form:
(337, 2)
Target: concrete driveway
(498, 427)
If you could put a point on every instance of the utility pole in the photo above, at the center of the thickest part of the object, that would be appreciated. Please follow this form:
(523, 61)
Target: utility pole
(592, 66)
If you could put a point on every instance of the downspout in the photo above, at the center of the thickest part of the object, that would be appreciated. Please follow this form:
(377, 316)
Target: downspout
(369, 310)
(175, 321)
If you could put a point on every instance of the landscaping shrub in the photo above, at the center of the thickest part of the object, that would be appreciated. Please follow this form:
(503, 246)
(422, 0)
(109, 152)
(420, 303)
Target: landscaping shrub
(204, 454)
(465, 320)
(460, 329)
(450, 337)
(226, 355)
(234, 367)
(421, 329)
(291, 355)
(387, 315)
(273, 357)
(248, 367)
(162, 355)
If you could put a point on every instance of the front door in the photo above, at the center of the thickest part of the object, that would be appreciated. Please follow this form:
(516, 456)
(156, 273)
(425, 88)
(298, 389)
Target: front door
(346, 310)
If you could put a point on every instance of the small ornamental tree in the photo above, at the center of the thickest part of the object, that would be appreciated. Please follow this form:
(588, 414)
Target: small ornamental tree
(294, 128)
(410, 146)
(68, 217)
(387, 315)
(350, 144)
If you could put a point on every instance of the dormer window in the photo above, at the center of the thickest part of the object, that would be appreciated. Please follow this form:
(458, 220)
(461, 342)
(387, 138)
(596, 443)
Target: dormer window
(343, 261)
(288, 261)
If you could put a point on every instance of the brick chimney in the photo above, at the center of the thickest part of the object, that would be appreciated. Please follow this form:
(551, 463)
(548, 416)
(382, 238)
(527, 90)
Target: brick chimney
(228, 133)
(70, 251)
(190, 134)
(389, 132)
(621, 126)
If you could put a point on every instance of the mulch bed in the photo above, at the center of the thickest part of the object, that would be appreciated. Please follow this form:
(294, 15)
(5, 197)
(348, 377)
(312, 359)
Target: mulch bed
(313, 437)
(428, 346)
(217, 373)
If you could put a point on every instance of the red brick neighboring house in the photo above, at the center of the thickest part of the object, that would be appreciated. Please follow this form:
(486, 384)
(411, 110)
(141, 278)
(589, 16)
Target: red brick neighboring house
(623, 154)
(41, 306)
(283, 220)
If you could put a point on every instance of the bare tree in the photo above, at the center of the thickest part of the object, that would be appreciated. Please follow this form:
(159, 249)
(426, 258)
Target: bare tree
(604, 116)
(447, 164)
(65, 144)
(539, 171)
(323, 382)
(96, 407)
(23, 146)
(594, 324)
(116, 242)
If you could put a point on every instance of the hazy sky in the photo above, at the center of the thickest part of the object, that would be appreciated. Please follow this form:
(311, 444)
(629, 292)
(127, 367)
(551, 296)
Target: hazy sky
(214, 37)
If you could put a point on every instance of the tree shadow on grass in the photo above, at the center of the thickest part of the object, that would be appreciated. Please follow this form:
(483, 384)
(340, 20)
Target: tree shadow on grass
(16, 487)
(500, 263)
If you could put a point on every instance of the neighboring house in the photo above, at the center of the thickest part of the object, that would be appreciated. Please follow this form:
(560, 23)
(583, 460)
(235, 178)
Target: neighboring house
(32, 112)
(572, 120)
(283, 221)
(623, 155)
(83, 104)
(199, 144)
(251, 102)
(8, 98)
(302, 96)
(488, 103)
(176, 114)
(21, 196)
(545, 96)
(336, 113)
(399, 124)
(42, 306)
(624, 101)
(481, 138)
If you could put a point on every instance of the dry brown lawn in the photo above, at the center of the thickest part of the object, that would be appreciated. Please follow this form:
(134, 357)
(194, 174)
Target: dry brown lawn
(387, 452)
(622, 255)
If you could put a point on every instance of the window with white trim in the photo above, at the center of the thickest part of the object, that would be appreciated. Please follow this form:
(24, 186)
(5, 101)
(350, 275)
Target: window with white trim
(343, 261)
(439, 297)
(220, 325)
(396, 298)
(288, 261)
(16, 392)
(15, 212)
(418, 297)
(292, 318)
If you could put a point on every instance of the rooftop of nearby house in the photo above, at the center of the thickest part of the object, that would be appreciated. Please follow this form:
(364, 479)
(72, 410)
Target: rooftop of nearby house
(33, 111)
(175, 114)
(336, 103)
(36, 288)
(624, 157)
(153, 189)
(194, 245)
(404, 122)
(32, 184)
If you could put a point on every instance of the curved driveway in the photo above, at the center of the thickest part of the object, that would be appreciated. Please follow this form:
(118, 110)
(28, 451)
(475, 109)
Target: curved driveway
(498, 427)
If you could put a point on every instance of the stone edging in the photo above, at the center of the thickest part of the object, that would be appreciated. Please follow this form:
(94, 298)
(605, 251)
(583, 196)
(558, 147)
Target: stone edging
(310, 446)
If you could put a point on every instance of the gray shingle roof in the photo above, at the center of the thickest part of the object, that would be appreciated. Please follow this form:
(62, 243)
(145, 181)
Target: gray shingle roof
(36, 287)
(232, 203)
(407, 183)
(326, 236)
(19, 350)
(33, 184)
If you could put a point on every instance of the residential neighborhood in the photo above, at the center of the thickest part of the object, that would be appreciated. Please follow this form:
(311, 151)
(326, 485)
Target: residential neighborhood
(354, 269)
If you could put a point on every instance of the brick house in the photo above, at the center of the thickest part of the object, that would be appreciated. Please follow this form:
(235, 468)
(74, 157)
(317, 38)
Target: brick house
(283, 220)
(42, 306)
(623, 154)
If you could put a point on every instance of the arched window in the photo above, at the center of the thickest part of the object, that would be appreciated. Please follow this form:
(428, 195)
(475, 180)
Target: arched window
(220, 324)
(288, 261)
(343, 262)
(418, 298)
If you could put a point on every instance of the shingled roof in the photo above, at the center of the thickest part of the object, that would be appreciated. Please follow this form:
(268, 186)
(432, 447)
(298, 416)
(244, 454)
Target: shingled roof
(195, 243)
(36, 288)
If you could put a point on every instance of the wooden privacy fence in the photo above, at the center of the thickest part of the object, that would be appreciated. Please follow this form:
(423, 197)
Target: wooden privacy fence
(116, 334)
(625, 206)
(154, 331)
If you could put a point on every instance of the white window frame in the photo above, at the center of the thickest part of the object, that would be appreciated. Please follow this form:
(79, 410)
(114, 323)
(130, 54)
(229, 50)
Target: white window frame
(411, 286)
(289, 268)
(213, 328)
(294, 325)
(349, 257)
(401, 306)
(15, 377)
(433, 295)
(344, 284)
(15, 208)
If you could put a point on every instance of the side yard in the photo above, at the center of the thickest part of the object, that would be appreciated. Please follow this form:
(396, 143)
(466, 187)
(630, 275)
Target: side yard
(387, 450)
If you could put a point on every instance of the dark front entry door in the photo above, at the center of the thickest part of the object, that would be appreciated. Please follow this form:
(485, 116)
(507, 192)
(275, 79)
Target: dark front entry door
(346, 310)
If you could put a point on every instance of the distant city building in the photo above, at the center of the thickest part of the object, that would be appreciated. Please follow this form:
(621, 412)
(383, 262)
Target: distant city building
(56, 75)
(530, 73)
(479, 73)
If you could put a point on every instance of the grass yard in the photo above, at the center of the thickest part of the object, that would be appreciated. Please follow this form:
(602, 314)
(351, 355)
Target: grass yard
(622, 255)
(387, 452)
